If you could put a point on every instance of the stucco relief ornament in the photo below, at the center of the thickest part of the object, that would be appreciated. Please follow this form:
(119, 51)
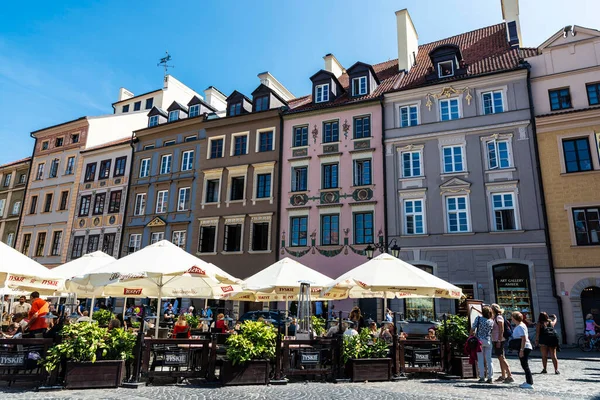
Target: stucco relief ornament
(315, 133)
(346, 128)
(447, 92)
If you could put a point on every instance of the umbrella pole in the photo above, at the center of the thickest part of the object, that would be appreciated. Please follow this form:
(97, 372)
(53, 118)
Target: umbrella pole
(124, 309)
(91, 313)
(286, 316)
(157, 319)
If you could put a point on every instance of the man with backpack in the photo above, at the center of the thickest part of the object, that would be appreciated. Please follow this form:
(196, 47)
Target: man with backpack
(547, 338)
(501, 332)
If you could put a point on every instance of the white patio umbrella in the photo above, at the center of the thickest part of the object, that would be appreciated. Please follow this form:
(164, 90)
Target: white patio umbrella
(388, 277)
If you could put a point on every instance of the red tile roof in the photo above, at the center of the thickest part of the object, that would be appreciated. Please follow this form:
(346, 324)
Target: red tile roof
(484, 50)
(23, 160)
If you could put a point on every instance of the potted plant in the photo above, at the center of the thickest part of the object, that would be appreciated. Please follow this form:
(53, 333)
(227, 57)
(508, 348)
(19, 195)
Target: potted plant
(192, 321)
(455, 332)
(92, 356)
(366, 358)
(249, 354)
(318, 325)
(103, 317)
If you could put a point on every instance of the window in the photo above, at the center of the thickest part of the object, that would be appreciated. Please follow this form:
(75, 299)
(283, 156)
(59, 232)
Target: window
(2, 204)
(301, 136)
(235, 109)
(363, 228)
(41, 243)
(420, 310)
(212, 191)
(125, 108)
(64, 198)
(183, 200)
(45, 145)
(187, 160)
(144, 168)
(411, 164)
(331, 131)
(449, 109)
(84, 206)
(497, 154)
(99, 201)
(75, 138)
(240, 145)
(216, 148)
(190, 138)
(178, 239)
(513, 34)
(513, 289)
(165, 164)
(22, 178)
(194, 110)
(161, 201)
(330, 229)
(261, 103)
(414, 217)
(108, 243)
(55, 250)
(560, 99)
(7, 178)
(299, 178)
(587, 225)
(70, 166)
(59, 142)
(457, 214)
(322, 93)
(153, 121)
(26, 243)
(265, 141)
(263, 186)
(90, 172)
(114, 202)
(492, 102)
(48, 202)
(298, 231)
(446, 69)
(173, 115)
(359, 86)
(93, 243)
(260, 236)
(104, 169)
(362, 127)
(120, 164)
(168, 143)
(10, 239)
(137, 106)
(16, 208)
(40, 172)
(140, 204)
(233, 238)
(77, 250)
(453, 159)
(207, 239)
(149, 103)
(33, 205)
(577, 155)
(156, 237)
(237, 188)
(593, 93)
(329, 176)
(135, 242)
(409, 116)
(503, 206)
(53, 168)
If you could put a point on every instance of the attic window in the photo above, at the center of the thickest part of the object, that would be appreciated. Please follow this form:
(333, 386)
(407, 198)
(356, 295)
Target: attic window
(235, 109)
(153, 121)
(173, 115)
(446, 69)
(513, 36)
(261, 103)
(194, 110)
(359, 86)
(322, 93)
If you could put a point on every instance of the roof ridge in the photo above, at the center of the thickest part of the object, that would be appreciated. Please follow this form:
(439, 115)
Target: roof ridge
(462, 34)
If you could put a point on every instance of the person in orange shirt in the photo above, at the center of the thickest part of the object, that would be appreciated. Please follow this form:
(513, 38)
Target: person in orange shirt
(39, 308)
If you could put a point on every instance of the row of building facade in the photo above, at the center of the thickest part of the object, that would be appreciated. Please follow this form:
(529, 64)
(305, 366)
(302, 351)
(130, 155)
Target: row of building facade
(477, 157)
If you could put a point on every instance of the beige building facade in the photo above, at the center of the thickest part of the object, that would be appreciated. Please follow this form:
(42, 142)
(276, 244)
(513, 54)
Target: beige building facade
(13, 181)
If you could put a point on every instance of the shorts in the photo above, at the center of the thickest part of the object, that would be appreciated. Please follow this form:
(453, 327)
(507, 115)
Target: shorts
(590, 333)
(499, 351)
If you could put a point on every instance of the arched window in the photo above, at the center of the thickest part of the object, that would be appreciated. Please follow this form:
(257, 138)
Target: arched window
(420, 310)
(512, 285)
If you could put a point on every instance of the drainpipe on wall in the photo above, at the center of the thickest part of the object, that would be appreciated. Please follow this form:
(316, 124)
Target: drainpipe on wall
(131, 142)
(543, 205)
(383, 156)
(25, 191)
(279, 180)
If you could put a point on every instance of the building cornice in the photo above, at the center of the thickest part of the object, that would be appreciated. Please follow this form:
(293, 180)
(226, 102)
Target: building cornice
(570, 120)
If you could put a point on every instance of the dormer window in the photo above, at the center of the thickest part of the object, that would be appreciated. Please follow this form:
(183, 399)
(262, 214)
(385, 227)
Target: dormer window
(153, 121)
(194, 110)
(446, 69)
(261, 103)
(359, 86)
(126, 108)
(322, 93)
(235, 109)
(173, 115)
(446, 62)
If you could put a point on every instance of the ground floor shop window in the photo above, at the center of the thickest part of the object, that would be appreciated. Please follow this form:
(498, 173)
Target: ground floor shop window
(420, 310)
(513, 289)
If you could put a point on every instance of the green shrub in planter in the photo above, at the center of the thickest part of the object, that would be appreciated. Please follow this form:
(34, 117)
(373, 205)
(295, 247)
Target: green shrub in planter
(318, 325)
(455, 332)
(363, 346)
(119, 345)
(103, 317)
(256, 341)
(192, 321)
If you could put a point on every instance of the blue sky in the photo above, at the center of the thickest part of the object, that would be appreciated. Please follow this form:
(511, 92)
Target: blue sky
(65, 59)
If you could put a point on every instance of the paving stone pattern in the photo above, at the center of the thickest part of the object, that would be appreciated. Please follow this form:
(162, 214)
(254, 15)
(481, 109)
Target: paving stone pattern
(578, 380)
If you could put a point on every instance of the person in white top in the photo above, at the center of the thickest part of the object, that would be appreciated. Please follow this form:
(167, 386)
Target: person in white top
(21, 307)
(520, 332)
(350, 331)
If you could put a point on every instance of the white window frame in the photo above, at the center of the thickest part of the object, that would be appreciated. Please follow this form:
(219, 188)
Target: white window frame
(232, 144)
(153, 121)
(189, 154)
(173, 115)
(162, 199)
(265, 130)
(140, 201)
(236, 172)
(408, 108)
(135, 241)
(411, 153)
(491, 92)
(497, 153)
(167, 165)
(194, 110)
(39, 174)
(463, 159)
(144, 167)
(449, 101)
(10, 239)
(156, 237)
(358, 81)
(302, 164)
(439, 65)
(457, 211)
(503, 207)
(234, 220)
(209, 175)
(259, 169)
(210, 140)
(2, 204)
(212, 221)
(257, 219)
(181, 204)
(16, 207)
(414, 214)
(178, 238)
(324, 93)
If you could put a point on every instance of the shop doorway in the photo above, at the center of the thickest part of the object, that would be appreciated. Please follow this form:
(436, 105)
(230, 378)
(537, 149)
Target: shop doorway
(590, 302)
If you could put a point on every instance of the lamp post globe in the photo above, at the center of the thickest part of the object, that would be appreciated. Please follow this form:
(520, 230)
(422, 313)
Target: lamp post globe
(395, 249)
(369, 250)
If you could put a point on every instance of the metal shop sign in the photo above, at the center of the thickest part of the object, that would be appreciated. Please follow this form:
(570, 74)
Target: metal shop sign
(310, 358)
(176, 358)
(12, 360)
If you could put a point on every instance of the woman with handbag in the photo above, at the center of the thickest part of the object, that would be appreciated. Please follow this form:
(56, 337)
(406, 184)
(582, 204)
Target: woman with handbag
(482, 329)
(498, 342)
(520, 341)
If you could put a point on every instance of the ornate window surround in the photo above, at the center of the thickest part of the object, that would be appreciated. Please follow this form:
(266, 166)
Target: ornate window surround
(209, 174)
(235, 172)
(258, 169)
(255, 218)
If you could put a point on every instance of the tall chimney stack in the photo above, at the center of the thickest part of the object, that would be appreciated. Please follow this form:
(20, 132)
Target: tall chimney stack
(408, 40)
(510, 14)
(333, 65)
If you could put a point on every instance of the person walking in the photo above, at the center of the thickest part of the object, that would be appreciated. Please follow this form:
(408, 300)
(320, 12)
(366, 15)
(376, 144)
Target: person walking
(520, 333)
(482, 329)
(547, 339)
(498, 344)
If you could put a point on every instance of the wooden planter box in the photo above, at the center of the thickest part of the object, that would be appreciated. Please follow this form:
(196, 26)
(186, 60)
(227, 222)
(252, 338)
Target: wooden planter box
(370, 369)
(100, 374)
(462, 368)
(254, 372)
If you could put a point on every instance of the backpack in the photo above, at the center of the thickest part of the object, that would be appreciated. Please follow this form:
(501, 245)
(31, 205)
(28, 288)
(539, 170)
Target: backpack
(507, 330)
(551, 336)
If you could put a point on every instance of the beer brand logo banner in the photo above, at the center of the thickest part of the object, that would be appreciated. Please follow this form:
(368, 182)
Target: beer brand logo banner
(117, 276)
(196, 271)
(23, 280)
(286, 289)
(132, 292)
(227, 289)
(362, 284)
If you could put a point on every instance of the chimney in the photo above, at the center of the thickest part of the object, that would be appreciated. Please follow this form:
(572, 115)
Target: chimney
(333, 65)
(408, 40)
(124, 94)
(269, 81)
(510, 14)
(215, 98)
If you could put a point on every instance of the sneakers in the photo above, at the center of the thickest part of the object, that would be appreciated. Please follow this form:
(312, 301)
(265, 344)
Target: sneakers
(544, 371)
(489, 380)
(526, 386)
(481, 380)
(500, 379)
(510, 379)
(557, 372)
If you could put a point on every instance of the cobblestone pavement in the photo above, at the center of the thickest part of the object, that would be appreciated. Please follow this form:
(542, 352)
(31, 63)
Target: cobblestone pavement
(578, 380)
